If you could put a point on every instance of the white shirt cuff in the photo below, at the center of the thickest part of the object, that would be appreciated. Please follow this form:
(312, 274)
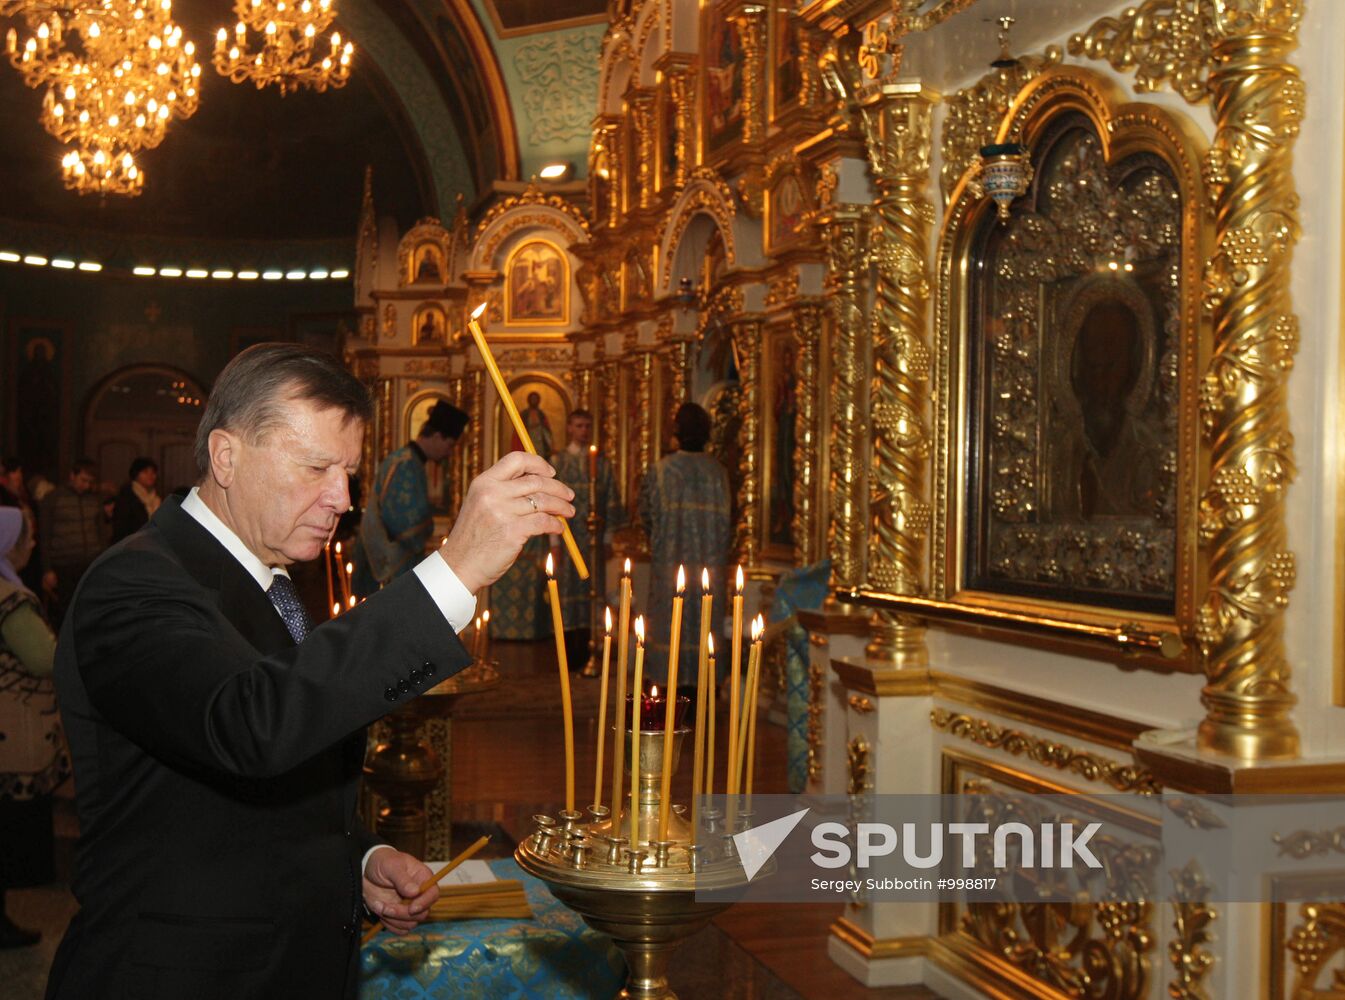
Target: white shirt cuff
(455, 601)
(369, 854)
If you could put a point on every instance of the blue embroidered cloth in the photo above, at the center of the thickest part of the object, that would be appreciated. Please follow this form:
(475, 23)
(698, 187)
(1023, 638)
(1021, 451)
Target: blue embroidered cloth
(799, 589)
(554, 955)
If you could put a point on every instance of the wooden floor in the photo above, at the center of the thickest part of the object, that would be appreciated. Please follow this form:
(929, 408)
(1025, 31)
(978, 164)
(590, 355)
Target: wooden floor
(504, 771)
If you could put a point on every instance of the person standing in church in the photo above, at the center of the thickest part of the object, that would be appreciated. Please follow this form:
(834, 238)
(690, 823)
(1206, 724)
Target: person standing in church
(577, 468)
(71, 526)
(685, 509)
(137, 500)
(397, 523)
(217, 734)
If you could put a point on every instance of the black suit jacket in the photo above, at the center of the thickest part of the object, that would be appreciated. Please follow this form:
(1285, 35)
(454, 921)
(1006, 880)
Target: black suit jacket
(216, 769)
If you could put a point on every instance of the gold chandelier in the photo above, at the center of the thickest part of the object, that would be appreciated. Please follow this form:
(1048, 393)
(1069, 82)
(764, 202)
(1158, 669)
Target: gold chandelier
(289, 34)
(133, 75)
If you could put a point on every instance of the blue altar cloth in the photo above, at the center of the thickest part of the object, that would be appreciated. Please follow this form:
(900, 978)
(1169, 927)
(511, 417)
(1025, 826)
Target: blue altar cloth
(554, 955)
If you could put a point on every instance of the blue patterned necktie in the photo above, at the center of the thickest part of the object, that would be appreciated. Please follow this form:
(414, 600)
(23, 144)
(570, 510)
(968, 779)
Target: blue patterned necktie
(286, 599)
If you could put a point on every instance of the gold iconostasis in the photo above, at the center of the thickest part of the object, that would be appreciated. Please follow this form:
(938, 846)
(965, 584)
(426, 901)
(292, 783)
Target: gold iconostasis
(1000, 324)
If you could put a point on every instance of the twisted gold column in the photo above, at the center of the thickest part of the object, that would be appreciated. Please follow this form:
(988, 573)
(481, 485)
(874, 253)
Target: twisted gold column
(644, 406)
(845, 235)
(808, 324)
(610, 420)
(747, 540)
(1257, 101)
(476, 440)
(642, 117)
(752, 27)
(680, 89)
(898, 128)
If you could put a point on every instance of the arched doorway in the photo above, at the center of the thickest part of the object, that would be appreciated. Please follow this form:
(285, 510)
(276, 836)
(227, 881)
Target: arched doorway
(147, 410)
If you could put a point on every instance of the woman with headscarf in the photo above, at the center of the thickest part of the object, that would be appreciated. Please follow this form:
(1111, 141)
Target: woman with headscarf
(33, 758)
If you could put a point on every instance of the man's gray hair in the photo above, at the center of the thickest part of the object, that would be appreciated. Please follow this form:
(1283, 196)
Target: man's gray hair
(249, 396)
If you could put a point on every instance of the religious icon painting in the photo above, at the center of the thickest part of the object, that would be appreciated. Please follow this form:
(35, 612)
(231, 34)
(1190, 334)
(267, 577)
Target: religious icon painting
(428, 267)
(781, 427)
(722, 80)
(787, 59)
(544, 406)
(669, 139)
(537, 285)
(786, 206)
(429, 325)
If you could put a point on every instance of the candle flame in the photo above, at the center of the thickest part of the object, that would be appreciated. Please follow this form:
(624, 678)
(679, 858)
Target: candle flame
(705, 580)
(757, 628)
(352, 600)
(338, 548)
(593, 449)
(653, 690)
(738, 580)
(336, 608)
(478, 622)
(710, 643)
(626, 571)
(609, 619)
(550, 566)
(639, 630)
(476, 313)
(485, 617)
(681, 580)
(350, 567)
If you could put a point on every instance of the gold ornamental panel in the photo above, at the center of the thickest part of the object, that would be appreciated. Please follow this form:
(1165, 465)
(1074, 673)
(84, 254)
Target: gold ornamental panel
(1069, 343)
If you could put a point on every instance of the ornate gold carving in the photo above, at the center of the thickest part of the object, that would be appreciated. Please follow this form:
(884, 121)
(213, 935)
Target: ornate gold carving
(1305, 843)
(827, 183)
(1048, 753)
(747, 348)
(860, 703)
(641, 104)
(782, 288)
(426, 366)
(584, 388)
(972, 116)
(708, 194)
(644, 407)
(1074, 949)
(528, 220)
(1188, 951)
(816, 689)
(428, 230)
(751, 21)
(807, 454)
(610, 416)
(680, 81)
(1316, 944)
(389, 320)
(860, 780)
(909, 21)
(845, 234)
(1257, 100)
(558, 357)
(532, 195)
(897, 122)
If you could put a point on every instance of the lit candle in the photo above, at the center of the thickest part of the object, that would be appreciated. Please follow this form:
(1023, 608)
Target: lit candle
(327, 562)
(485, 635)
(623, 642)
(602, 708)
(710, 730)
(593, 462)
(348, 571)
(520, 428)
(698, 760)
(636, 691)
(350, 601)
(476, 640)
(567, 709)
(341, 574)
(755, 685)
(734, 666)
(674, 644)
(336, 608)
(750, 696)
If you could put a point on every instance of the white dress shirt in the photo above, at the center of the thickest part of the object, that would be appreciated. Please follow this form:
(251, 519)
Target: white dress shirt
(454, 601)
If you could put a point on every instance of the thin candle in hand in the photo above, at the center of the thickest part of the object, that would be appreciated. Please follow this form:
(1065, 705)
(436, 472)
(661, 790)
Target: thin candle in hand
(567, 708)
(623, 644)
(736, 645)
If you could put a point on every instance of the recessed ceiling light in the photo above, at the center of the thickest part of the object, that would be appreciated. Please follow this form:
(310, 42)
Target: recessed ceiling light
(272, 275)
(10, 256)
(197, 272)
(317, 275)
(296, 275)
(248, 275)
(558, 171)
(144, 272)
(35, 260)
(63, 264)
(170, 272)
(90, 265)
(338, 275)
(221, 274)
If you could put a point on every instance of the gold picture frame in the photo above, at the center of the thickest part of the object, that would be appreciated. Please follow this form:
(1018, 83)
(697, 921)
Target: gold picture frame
(971, 493)
(722, 101)
(536, 285)
(778, 398)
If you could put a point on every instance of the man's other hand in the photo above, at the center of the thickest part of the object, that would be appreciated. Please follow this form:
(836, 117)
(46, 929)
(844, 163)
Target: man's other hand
(391, 883)
(517, 497)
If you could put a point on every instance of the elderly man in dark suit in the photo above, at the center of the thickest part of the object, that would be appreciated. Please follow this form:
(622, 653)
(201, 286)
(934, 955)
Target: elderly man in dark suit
(217, 736)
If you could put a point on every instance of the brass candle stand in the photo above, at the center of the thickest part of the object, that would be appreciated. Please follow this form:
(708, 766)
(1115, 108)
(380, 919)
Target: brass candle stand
(645, 899)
